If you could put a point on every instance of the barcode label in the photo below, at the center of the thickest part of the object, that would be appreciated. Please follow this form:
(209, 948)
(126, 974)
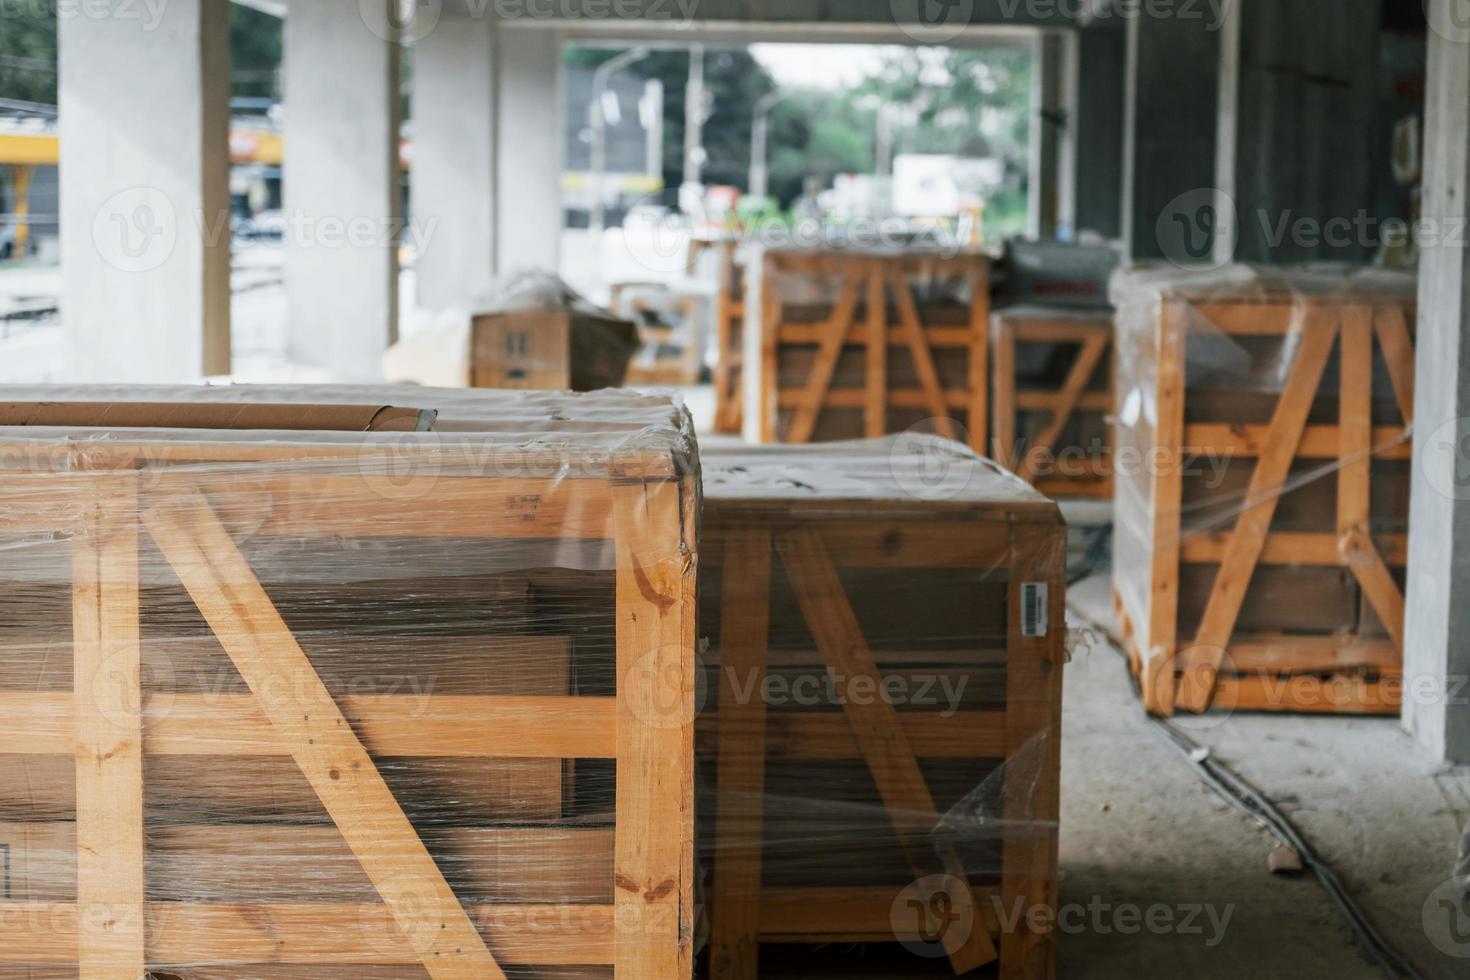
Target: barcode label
(1033, 608)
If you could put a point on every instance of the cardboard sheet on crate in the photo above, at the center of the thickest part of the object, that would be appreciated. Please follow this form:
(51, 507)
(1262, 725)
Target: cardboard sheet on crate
(1262, 467)
(324, 702)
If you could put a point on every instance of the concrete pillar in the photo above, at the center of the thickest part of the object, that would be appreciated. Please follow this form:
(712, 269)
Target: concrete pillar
(1169, 134)
(1437, 624)
(1049, 135)
(144, 186)
(529, 160)
(487, 157)
(454, 143)
(1098, 156)
(340, 76)
(1296, 111)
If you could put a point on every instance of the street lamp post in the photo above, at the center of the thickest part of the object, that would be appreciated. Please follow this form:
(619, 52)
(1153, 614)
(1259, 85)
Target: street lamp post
(759, 173)
(600, 79)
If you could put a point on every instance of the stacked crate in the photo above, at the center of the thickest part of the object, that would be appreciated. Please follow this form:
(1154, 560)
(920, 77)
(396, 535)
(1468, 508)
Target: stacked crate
(859, 343)
(296, 685)
(1053, 397)
(1263, 464)
(885, 625)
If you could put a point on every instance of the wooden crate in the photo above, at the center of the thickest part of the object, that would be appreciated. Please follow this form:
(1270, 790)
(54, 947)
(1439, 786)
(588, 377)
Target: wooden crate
(671, 325)
(1053, 395)
(344, 703)
(837, 561)
(555, 350)
(860, 344)
(1263, 485)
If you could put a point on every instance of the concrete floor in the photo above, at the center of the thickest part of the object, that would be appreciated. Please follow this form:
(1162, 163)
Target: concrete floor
(1138, 828)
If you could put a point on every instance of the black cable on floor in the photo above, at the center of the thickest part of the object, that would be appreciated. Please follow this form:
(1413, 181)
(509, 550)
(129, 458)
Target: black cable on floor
(1240, 794)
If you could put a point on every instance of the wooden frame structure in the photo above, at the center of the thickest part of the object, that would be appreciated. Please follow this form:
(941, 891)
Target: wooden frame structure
(730, 338)
(143, 505)
(1311, 436)
(860, 318)
(1050, 411)
(845, 561)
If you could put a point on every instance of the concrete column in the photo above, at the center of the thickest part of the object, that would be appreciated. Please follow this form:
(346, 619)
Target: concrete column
(1049, 136)
(529, 159)
(454, 141)
(144, 186)
(1098, 157)
(1169, 132)
(341, 184)
(1296, 110)
(1437, 631)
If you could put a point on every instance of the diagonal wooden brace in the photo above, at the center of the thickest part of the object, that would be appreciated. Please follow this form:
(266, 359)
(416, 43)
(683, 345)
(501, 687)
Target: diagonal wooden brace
(1243, 552)
(1082, 371)
(834, 335)
(908, 316)
(307, 720)
(875, 726)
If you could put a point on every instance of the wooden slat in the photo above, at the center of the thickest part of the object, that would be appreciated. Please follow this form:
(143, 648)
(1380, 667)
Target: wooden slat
(109, 739)
(875, 379)
(1318, 441)
(1391, 325)
(1307, 654)
(1310, 695)
(1046, 401)
(858, 914)
(1291, 548)
(310, 934)
(1004, 386)
(876, 543)
(1159, 632)
(1376, 581)
(834, 334)
(808, 333)
(890, 758)
(1029, 858)
(323, 744)
(828, 735)
(858, 398)
(741, 747)
(1319, 332)
(390, 725)
(908, 317)
(653, 871)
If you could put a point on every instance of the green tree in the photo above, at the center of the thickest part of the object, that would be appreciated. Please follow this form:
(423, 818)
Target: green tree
(28, 54)
(255, 52)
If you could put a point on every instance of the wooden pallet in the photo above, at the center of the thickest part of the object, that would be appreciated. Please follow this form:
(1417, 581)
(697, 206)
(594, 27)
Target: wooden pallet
(1280, 588)
(208, 643)
(1053, 395)
(820, 563)
(671, 324)
(858, 344)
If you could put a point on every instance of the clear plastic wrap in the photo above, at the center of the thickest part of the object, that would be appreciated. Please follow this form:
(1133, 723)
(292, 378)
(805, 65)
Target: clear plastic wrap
(346, 682)
(854, 343)
(883, 631)
(1262, 467)
(674, 323)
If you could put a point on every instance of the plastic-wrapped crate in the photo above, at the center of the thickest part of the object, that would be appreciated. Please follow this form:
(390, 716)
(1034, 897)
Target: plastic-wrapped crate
(1053, 396)
(298, 684)
(1262, 468)
(879, 746)
(856, 344)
